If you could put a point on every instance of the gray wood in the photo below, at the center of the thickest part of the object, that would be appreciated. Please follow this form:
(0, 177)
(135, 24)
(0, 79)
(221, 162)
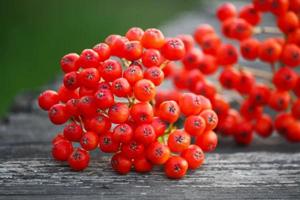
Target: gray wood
(268, 169)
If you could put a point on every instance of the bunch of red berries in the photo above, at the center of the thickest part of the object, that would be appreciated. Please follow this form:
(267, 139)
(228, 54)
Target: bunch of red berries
(108, 101)
(279, 91)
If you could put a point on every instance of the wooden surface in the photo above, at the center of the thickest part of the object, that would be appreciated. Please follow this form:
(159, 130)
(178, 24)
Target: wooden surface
(268, 169)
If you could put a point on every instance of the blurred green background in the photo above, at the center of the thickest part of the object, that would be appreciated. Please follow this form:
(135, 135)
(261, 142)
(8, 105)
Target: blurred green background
(35, 34)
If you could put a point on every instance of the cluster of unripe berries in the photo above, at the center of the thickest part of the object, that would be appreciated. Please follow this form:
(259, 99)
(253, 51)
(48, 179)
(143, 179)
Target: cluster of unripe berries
(107, 101)
(279, 92)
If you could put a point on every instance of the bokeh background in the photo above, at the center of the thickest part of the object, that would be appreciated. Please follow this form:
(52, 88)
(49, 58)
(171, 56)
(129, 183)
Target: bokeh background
(35, 34)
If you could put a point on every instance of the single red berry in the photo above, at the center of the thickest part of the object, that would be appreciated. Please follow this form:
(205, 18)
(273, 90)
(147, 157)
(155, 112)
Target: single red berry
(71, 80)
(188, 41)
(104, 99)
(227, 55)
(194, 125)
(121, 87)
(229, 78)
(73, 132)
(88, 58)
(291, 55)
(133, 149)
(87, 106)
(283, 121)
(243, 133)
(269, 51)
(207, 141)
(158, 153)
(250, 111)
(176, 167)
(89, 141)
(169, 111)
(133, 74)
(250, 14)
(61, 150)
(142, 165)
(79, 159)
(110, 70)
(190, 104)
(107, 144)
(133, 50)
(122, 133)
(293, 132)
(145, 134)
(89, 77)
(99, 124)
(155, 75)
(67, 62)
(201, 31)
(142, 112)
(66, 94)
(210, 44)
(103, 51)
(194, 156)
(173, 49)
(249, 48)
(288, 22)
(178, 141)
(211, 119)
(151, 57)
(264, 126)
(121, 164)
(58, 114)
(246, 82)
(118, 113)
(134, 34)
(259, 94)
(117, 46)
(153, 38)
(208, 64)
(285, 78)
(47, 99)
(226, 10)
(262, 5)
(279, 100)
(144, 90)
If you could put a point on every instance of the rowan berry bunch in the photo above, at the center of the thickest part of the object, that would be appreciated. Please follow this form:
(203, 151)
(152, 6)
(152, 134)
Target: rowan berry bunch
(107, 101)
(279, 90)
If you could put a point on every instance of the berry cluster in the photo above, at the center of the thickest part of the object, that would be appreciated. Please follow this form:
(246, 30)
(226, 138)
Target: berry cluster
(280, 90)
(108, 101)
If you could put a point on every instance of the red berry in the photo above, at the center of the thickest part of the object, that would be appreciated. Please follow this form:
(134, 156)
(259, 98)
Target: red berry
(134, 33)
(194, 156)
(61, 150)
(291, 55)
(151, 57)
(296, 109)
(73, 132)
(104, 99)
(243, 133)
(190, 104)
(211, 119)
(120, 164)
(263, 126)
(103, 51)
(79, 159)
(173, 49)
(194, 125)
(107, 144)
(89, 77)
(227, 55)
(67, 62)
(47, 99)
(285, 78)
(133, 74)
(178, 141)
(249, 48)
(250, 14)
(153, 38)
(88, 58)
(155, 75)
(158, 153)
(169, 111)
(288, 22)
(145, 134)
(110, 70)
(262, 5)
(279, 100)
(87, 106)
(89, 141)
(229, 78)
(201, 31)
(122, 133)
(159, 126)
(142, 165)
(58, 114)
(99, 124)
(121, 87)
(207, 141)
(176, 167)
(133, 150)
(226, 10)
(71, 80)
(118, 113)
(133, 50)
(144, 90)
(142, 112)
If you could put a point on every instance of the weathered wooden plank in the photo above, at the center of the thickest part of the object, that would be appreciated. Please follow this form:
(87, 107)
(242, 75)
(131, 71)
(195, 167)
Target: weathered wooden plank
(227, 176)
